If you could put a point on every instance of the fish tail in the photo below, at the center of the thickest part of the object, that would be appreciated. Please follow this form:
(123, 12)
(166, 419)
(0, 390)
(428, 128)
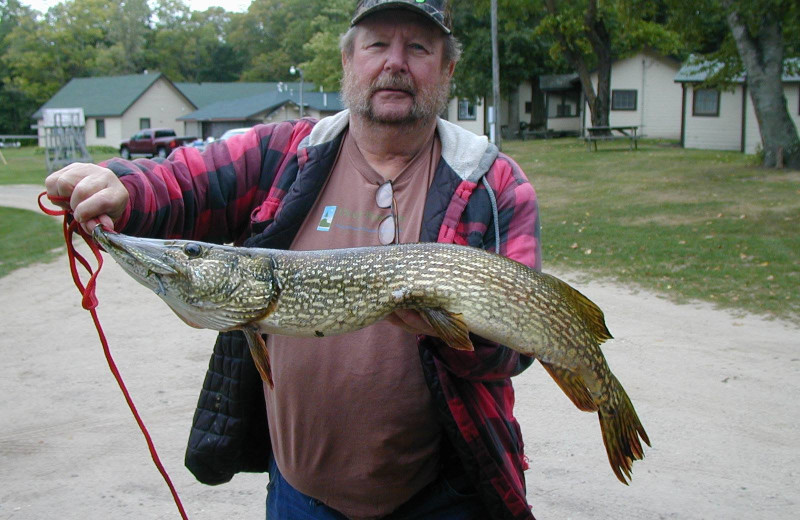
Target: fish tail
(621, 430)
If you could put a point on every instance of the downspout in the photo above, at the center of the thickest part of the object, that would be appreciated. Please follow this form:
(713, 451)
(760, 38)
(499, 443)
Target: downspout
(744, 117)
(641, 112)
(683, 115)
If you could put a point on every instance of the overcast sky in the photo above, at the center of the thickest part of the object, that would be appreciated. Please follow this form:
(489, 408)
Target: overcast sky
(196, 5)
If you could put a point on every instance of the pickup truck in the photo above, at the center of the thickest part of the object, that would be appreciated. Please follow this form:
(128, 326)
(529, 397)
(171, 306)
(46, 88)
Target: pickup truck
(152, 142)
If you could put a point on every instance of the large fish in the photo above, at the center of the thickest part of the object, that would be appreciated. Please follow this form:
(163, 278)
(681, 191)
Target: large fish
(458, 289)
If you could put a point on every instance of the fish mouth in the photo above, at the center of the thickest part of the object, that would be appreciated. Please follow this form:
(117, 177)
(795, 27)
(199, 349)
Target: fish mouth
(144, 253)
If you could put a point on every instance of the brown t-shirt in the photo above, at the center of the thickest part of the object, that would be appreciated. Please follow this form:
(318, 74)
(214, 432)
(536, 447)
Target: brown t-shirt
(351, 418)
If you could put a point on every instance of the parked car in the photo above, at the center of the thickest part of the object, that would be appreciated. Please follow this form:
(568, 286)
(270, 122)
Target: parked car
(152, 142)
(233, 131)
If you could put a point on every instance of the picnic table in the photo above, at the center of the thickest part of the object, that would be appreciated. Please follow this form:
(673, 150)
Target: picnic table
(611, 133)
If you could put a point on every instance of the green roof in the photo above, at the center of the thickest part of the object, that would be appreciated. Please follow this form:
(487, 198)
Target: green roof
(696, 71)
(250, 107)
(101, 96)
(204, 94)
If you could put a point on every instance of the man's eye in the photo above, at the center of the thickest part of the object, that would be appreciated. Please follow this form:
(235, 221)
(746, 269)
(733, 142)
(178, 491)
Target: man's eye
(192, 250)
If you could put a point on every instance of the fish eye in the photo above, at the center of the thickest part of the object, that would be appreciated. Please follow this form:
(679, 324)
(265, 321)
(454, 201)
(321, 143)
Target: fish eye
(192, 249)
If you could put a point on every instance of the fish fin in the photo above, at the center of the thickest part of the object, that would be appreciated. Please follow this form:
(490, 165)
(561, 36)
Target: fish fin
(450, 327)
(621, 431)
(572, 384)
(589, 312)
(258, 349)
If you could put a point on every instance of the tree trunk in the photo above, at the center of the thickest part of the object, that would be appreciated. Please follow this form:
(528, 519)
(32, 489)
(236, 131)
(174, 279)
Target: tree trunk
(762, 56)
(595, 31)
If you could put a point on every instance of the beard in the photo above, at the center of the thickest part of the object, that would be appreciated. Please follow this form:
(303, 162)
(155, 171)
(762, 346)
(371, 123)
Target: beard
(427, 103)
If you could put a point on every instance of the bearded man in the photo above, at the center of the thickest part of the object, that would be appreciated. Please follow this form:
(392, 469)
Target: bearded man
(385, 422)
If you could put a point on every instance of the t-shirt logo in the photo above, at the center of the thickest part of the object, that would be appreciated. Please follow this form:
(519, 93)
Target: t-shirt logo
(327, 219)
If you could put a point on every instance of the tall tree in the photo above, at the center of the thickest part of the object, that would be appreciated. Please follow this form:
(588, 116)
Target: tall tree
(15, 105)
(590, 34)
(324, 65)
(523, 53)
(750, 39)
(759, 39)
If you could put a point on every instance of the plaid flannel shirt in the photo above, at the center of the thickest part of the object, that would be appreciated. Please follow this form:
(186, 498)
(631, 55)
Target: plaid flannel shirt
(264, 182)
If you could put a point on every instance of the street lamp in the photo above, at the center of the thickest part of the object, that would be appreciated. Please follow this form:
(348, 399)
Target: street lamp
(297, 70)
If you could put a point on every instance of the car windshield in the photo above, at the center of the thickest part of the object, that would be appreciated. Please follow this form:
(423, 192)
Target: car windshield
(232, 132)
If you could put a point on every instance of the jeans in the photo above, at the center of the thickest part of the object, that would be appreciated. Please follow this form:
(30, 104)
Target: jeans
(439, 500)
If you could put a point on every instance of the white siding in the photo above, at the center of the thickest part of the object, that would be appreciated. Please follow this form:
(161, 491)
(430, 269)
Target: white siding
(113, 132)
(475, 126)
(162, 104)
(658, 97)
(722, 132)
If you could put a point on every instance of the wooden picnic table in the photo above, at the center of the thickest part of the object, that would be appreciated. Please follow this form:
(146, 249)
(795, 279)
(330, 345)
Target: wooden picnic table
(611, 133)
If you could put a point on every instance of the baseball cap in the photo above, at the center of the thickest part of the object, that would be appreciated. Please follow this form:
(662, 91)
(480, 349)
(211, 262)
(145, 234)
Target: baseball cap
(438, 11)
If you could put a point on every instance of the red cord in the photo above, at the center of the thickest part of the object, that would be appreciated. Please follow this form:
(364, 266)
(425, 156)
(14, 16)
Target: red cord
(89, 302)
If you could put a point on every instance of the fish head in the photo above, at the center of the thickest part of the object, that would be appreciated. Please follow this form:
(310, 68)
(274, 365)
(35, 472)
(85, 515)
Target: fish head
(207, 285)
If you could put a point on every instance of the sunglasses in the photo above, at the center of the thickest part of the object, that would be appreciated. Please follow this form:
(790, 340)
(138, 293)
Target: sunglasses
(388, 232)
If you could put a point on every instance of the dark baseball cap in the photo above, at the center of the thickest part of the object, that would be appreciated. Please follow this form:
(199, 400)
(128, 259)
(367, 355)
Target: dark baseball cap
(438, 11)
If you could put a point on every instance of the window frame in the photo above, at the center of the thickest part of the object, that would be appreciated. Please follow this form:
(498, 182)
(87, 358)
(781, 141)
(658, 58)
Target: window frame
(465, 116)
(614, 97)
(100, 128)
(142, 120)
(695, 113)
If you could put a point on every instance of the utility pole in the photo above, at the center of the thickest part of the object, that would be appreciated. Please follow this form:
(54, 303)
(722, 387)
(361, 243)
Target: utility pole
(494, 121)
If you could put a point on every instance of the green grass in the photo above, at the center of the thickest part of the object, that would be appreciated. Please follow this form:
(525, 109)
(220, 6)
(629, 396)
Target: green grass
(691, 224)
(27, 165)
(26, 238)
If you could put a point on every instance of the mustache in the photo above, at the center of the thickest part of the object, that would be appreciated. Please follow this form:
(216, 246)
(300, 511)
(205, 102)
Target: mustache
(394, 82)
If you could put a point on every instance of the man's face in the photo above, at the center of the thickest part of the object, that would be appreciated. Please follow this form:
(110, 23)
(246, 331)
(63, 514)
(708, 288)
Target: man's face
(397, 74)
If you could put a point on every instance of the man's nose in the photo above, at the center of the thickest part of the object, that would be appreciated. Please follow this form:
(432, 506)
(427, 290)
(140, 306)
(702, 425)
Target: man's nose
(396, 59)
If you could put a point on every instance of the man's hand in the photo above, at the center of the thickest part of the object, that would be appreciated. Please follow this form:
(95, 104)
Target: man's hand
(96, 195)
(411, 321)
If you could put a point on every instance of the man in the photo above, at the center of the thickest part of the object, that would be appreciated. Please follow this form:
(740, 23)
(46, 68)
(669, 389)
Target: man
(387, 421)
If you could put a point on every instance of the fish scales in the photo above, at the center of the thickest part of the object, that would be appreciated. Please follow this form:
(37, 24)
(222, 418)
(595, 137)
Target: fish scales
(459, 290)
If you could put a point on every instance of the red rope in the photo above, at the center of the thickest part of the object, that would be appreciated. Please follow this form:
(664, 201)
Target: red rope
(89, 302)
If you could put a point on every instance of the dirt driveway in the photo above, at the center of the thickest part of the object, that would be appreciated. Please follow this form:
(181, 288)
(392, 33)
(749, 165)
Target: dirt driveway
(717, 393)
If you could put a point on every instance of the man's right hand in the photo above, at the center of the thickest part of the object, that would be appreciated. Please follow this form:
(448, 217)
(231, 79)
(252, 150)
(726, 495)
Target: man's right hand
(95, 194)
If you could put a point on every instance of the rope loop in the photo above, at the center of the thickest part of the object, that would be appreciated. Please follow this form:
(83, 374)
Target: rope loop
(89, 302)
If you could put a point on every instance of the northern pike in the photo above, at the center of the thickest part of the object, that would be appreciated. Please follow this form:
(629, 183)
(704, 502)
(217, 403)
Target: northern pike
(458, 289)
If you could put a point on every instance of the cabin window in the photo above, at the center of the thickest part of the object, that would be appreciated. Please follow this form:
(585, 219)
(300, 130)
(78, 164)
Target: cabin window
(528, 107)
(100, 127)
(466, 110)
(623, 99)
(705, 102)
(144, 122)
(564, 104)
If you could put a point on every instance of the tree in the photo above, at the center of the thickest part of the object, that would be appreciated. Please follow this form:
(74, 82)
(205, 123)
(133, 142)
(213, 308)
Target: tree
(15, 105)
(589, 34)
(759, 39)
(324, 64)
(750, 39)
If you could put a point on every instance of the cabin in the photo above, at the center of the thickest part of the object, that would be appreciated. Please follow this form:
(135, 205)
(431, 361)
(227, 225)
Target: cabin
(116, 107)
(717, 119)
(643, 94)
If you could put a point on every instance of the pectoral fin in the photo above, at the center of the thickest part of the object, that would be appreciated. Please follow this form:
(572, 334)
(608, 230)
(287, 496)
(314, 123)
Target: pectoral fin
(450, 327)
(572, 385)
(258, 349)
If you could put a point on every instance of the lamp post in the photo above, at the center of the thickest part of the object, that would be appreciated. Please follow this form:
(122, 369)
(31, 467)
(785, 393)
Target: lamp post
(297, 70)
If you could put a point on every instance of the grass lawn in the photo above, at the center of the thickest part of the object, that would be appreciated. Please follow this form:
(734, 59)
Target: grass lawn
(690, 224)
(27, 165)
(697, 224)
